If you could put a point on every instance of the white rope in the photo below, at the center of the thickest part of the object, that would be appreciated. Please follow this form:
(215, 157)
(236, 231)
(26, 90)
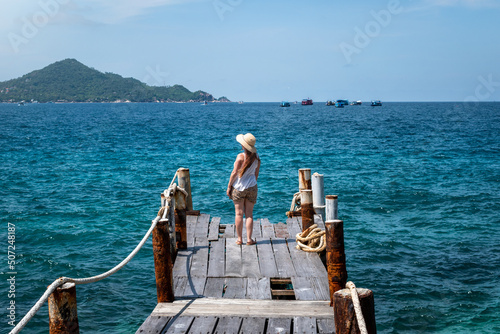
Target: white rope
(60, 281)
(357, 307)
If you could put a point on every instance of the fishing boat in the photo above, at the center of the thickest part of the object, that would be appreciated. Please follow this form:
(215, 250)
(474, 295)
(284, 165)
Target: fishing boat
(285, 104)
(376, 103)
(204, 103)
(343, 102)
(356, 103)
(307, 102)
(330, 103)
(339, 105)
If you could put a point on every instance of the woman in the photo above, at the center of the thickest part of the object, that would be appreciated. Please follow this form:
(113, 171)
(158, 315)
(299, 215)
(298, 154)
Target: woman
(242, 187)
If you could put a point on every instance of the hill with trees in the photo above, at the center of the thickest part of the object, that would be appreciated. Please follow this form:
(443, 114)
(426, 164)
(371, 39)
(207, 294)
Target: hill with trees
(71, 81)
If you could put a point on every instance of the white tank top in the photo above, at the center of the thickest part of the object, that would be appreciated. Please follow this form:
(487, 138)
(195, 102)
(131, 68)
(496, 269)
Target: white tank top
(247, 180)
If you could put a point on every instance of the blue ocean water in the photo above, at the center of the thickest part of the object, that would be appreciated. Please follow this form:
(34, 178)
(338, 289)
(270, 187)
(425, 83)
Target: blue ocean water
(418, 186)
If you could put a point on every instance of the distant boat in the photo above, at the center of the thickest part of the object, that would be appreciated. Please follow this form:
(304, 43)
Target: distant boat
(339, 104)
(204, 103)
(307, 102)
(356, 103)
(343, 102)
(20, 104)
(240, 102)
(376, 103)
(285, 104)
(330, 103)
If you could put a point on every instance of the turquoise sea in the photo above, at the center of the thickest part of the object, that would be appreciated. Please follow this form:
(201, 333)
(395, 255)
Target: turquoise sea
(418, 187)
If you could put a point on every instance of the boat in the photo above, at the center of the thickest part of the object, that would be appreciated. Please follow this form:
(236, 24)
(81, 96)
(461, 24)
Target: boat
(343, 102)
(285, 104)
(339, 105)
(330, 103)
(307, 102)
(376, 103)
(240, 102)
(20, 104)
(356, 103)
(204, 103)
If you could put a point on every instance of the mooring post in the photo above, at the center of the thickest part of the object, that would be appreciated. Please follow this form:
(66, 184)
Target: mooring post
(331, 207)
(307, 210)
(304, 178)
(318, 189)
(63, 317)
(163, 262)
(344, 314)
(185, 183)
(335, 256)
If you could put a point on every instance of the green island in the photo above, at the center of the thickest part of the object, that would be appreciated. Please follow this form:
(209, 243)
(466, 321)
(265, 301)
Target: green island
(71, 81)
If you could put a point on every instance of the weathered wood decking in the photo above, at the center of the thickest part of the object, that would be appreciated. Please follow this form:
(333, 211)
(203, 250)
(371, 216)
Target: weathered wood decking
(221, 287)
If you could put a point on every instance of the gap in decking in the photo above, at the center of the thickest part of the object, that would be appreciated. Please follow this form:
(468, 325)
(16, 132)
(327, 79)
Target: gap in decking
(282, 289)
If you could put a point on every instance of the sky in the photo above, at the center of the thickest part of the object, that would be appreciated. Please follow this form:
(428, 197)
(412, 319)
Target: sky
(267, 51)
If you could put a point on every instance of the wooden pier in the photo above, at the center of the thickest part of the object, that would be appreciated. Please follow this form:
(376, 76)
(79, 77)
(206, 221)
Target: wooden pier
(222, 287)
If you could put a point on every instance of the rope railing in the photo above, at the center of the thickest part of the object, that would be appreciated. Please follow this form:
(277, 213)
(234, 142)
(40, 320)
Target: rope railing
(357, 308)
(162, 214)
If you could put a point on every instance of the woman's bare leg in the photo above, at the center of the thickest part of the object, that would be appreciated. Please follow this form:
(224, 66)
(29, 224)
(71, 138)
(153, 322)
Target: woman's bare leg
(249, 219)
(238, 219)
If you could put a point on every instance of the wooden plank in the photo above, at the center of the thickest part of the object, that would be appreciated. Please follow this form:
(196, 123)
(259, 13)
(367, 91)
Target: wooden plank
(202, 226)
(320, 287)
(228, 325)
(319, 267)
(304, 325)
(182, 263)
(319, 222)
(154, 324)
(301, 261)
(253, 325)
(279, 325)
(180, 283)
(293, 227)
(233, 259)
(199, 262)
(303, 289)
(250, 262)
(259, 288)
(326, 326)
(280, 230)
(267, 264)
(267, 229)
(282, 257)
(191, 222)
(203, 325)
(217, 258)
(178, 325)
(195, 286)
(214, 287)
(235, 287)
(257, 233)
(213, 229)
(245, 308)
(230, 231)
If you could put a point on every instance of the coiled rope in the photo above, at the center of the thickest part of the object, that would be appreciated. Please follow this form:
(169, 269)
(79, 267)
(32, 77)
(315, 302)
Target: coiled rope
(295, 206)
(357, 307)
(311, 240)
(162, 213)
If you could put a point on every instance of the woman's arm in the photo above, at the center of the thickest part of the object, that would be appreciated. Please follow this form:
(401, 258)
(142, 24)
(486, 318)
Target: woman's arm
(237, 166)
(257, 171)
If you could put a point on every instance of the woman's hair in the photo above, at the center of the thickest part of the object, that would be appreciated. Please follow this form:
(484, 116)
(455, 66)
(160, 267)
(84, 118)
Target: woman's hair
(249, 159)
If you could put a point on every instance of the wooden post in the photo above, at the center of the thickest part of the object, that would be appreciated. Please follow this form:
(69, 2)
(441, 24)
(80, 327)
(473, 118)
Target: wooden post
(185, 183)
(63, 317)
(304, 178)
(306, 204)
(318, 195)
(180, 221)
(163, 263)
(331, 207)
(344, 315)
(335, 256)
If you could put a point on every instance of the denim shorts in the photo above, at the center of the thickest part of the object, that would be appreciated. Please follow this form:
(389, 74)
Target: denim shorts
(249, 194)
